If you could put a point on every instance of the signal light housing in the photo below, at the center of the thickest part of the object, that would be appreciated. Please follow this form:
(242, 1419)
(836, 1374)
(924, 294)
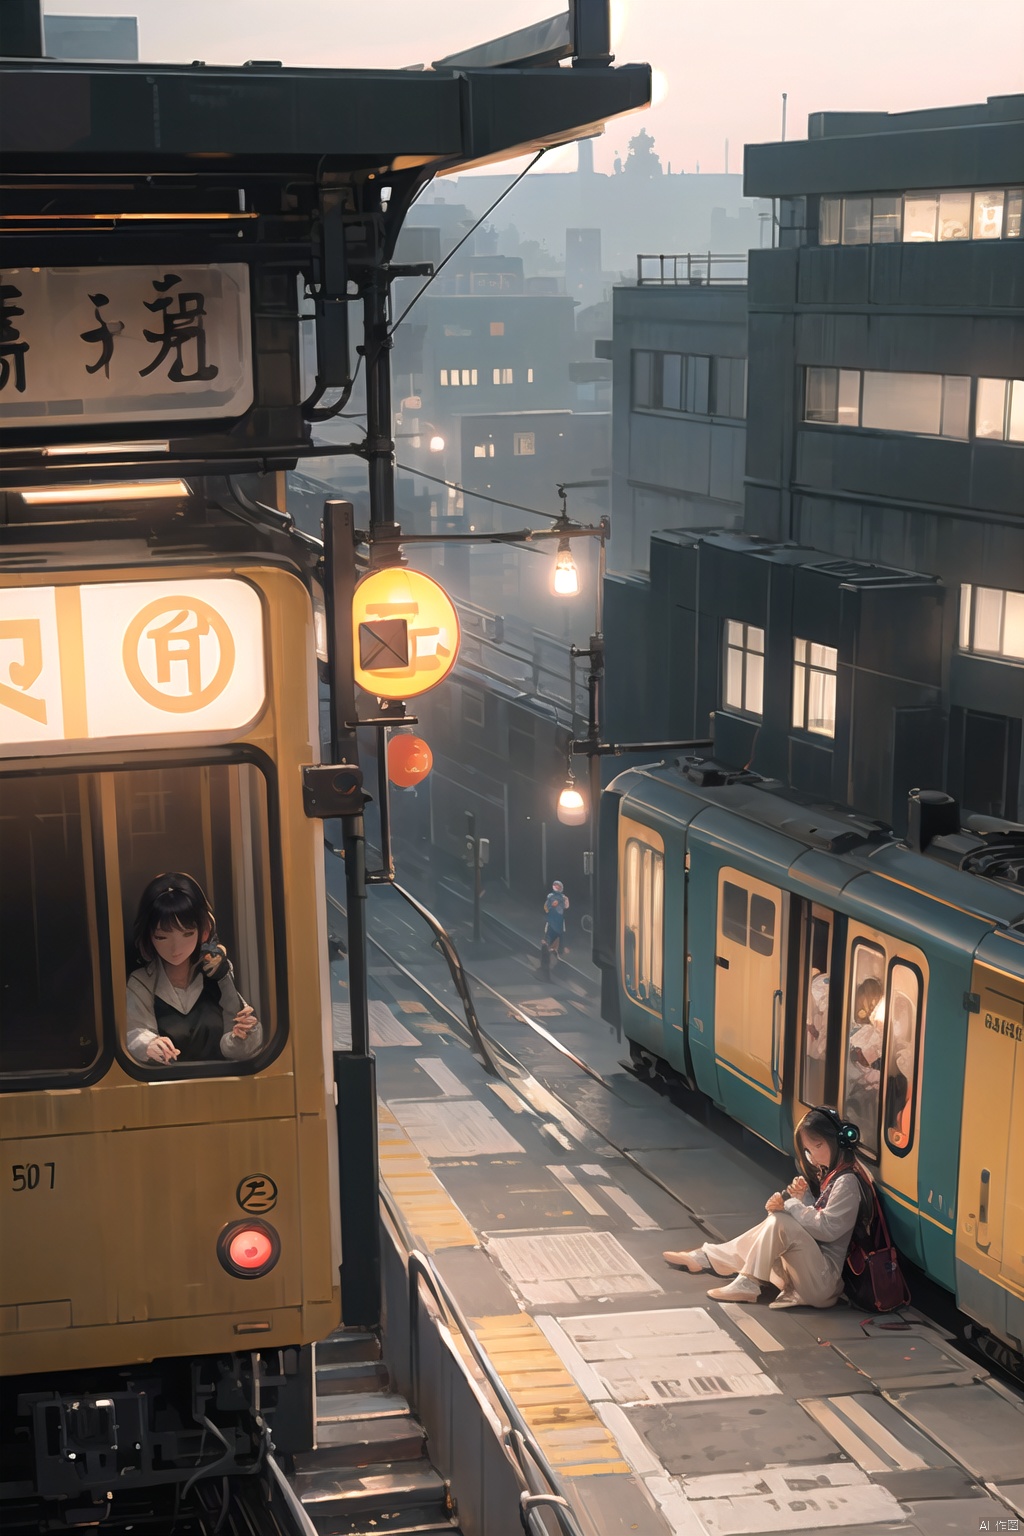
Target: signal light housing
(248, 1249)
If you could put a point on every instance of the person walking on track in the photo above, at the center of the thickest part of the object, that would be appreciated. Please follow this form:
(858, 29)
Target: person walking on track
(802, 1244)
(556, 905)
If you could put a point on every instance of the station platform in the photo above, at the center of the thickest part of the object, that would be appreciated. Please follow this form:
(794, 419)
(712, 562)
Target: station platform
(546, 1203)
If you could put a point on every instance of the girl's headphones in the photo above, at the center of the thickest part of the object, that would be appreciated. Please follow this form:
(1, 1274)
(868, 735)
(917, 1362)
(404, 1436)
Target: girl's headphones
(848, 1134)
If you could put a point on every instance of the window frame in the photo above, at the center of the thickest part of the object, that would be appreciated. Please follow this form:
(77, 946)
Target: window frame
(113, 1031)
(744, 651)
(896, 1150)
(967, 626)
(874, 1150)
(643, 918)
(803, 669)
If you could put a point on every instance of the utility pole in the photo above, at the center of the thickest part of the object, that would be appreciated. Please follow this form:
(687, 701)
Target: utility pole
(784, 97)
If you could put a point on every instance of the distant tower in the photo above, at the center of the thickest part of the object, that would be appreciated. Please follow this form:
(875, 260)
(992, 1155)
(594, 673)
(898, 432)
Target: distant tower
(585, 157)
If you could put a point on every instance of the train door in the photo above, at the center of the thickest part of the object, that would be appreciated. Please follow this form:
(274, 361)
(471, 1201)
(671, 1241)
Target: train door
(749, 1001)
(990, 1209)
(883, 1007)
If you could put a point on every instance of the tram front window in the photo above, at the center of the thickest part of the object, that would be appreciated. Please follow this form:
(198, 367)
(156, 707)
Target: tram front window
(51, 920)
(192, 844)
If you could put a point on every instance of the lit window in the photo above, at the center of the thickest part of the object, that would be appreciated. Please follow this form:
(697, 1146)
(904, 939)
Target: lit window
(999, 410)
(992, 622)
(1011, 227)
(920, 216)
(529, 375)
(988, 215)
(954, 216)
(454, 377)
(833, 395)
(483, 451)
(814, 687)
(830, 220)
(865, 1036)
(524, 444)
(506, 376)
(743, 686)
(928, 403)
(497, 327)
(643, 924)
(469, 376)
(885, 220)
(444, 377)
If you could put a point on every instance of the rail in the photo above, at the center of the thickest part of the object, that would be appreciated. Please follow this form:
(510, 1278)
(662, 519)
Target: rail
(541, 1489)
(699, 270)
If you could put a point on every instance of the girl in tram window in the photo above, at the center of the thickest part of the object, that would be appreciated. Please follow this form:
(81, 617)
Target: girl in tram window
(802, 1244)
(182, 1001)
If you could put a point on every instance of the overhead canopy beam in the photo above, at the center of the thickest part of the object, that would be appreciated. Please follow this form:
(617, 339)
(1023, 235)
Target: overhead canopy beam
(543, 42)
(90, 117)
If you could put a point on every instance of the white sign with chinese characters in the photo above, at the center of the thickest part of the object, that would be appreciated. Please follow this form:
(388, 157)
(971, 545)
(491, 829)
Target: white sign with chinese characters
(102, 345)
(119, 661)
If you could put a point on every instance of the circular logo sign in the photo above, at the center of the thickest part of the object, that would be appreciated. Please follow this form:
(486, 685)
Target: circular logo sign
(257, 1194)
(405, 633)
(179, 654)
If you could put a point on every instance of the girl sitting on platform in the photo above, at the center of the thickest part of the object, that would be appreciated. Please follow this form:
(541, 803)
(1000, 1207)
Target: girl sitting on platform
(802, 1244)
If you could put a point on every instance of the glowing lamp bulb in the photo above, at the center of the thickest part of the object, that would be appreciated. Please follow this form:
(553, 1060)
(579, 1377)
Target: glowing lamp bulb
(572, 808)
(250, 1249)
(437, 443)
(566, 580)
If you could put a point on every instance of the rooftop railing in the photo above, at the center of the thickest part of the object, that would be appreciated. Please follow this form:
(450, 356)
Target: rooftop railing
(699, 270)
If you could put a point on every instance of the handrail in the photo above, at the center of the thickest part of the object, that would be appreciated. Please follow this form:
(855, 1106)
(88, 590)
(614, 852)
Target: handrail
(518, 1442)
(302, 1524)
(689, 267)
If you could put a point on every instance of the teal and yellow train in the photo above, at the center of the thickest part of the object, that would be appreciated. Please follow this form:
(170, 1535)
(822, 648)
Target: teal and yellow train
(779, 956)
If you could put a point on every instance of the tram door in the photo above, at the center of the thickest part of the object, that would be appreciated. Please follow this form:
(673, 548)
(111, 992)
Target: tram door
(990, 1205)
(749, 1001)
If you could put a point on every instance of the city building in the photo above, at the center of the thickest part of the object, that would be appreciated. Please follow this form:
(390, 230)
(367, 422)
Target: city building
(862, 633)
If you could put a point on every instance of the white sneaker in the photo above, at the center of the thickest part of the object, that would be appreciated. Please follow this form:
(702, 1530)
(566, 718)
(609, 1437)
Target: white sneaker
(695, 1260)
(743, 1288)
(787, 1299)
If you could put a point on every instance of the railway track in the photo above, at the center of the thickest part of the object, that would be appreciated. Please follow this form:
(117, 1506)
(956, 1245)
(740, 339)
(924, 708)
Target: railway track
(562, 1116)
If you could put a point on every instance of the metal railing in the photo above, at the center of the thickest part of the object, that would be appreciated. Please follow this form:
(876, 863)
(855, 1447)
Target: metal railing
(524, 657)
(540, 1488)
(699, 270)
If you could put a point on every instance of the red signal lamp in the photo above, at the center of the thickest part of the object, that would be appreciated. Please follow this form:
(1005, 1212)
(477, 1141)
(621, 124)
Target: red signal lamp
(249, 1249)
(409, 760)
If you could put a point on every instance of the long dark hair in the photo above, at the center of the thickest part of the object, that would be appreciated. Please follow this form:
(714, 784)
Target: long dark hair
(841, 1136)
(172, 900)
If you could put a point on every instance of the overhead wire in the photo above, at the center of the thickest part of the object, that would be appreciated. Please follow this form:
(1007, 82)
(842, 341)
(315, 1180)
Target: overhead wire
(472, 230)
(453, 485)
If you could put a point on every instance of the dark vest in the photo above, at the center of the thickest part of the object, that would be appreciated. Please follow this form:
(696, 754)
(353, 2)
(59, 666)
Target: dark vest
(196, 1034)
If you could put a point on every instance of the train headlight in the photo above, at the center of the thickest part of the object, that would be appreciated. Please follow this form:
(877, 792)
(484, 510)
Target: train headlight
(248, 1249)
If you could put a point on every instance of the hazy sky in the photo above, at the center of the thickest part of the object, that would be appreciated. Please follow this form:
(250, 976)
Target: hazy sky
(722, 64)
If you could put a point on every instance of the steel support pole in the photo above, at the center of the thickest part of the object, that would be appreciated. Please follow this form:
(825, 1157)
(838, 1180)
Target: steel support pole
(354, 1069)
(380, 447)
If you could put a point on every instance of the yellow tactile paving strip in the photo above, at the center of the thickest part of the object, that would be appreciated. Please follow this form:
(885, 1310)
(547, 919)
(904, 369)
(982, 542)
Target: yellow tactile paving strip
(432, 1215)
(560, 1418)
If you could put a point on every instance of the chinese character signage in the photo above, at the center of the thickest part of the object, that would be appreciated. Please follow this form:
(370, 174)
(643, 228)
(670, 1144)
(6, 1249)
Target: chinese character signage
(118, 661)
(405, 632)
(114, 344)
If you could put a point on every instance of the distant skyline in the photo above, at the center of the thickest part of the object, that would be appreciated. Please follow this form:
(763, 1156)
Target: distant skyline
(721, 70)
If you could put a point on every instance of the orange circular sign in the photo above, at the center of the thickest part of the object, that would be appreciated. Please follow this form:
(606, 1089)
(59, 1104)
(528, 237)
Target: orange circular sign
(409, 760)
(405, 633)
(164, 646)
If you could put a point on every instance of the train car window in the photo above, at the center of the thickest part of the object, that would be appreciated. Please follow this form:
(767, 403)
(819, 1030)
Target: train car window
(643, 924)
(762, 925)
(51, 917)
(865, 1032)
(817, 964)
(209, 822)
(903, 1015)
(734, 913)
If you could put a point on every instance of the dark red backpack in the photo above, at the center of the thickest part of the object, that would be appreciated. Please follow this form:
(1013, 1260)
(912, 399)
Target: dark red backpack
(872, 1275)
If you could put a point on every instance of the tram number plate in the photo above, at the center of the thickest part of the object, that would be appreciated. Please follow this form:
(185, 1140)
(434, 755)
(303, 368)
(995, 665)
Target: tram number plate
(25, 1176)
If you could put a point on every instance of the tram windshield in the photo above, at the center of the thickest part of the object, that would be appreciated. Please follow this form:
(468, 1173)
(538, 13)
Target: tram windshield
(77, 854)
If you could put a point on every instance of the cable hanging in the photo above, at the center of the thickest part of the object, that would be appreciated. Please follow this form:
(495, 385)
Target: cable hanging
(480, 495)
(471, 231)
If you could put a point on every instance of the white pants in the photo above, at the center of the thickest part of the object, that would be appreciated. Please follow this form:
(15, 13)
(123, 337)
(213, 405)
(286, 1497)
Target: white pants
(781, 1251)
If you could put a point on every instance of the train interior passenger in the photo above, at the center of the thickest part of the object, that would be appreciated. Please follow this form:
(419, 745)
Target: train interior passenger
(77, 851)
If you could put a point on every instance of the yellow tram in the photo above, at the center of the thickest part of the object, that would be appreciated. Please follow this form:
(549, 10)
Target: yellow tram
(158, 702)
